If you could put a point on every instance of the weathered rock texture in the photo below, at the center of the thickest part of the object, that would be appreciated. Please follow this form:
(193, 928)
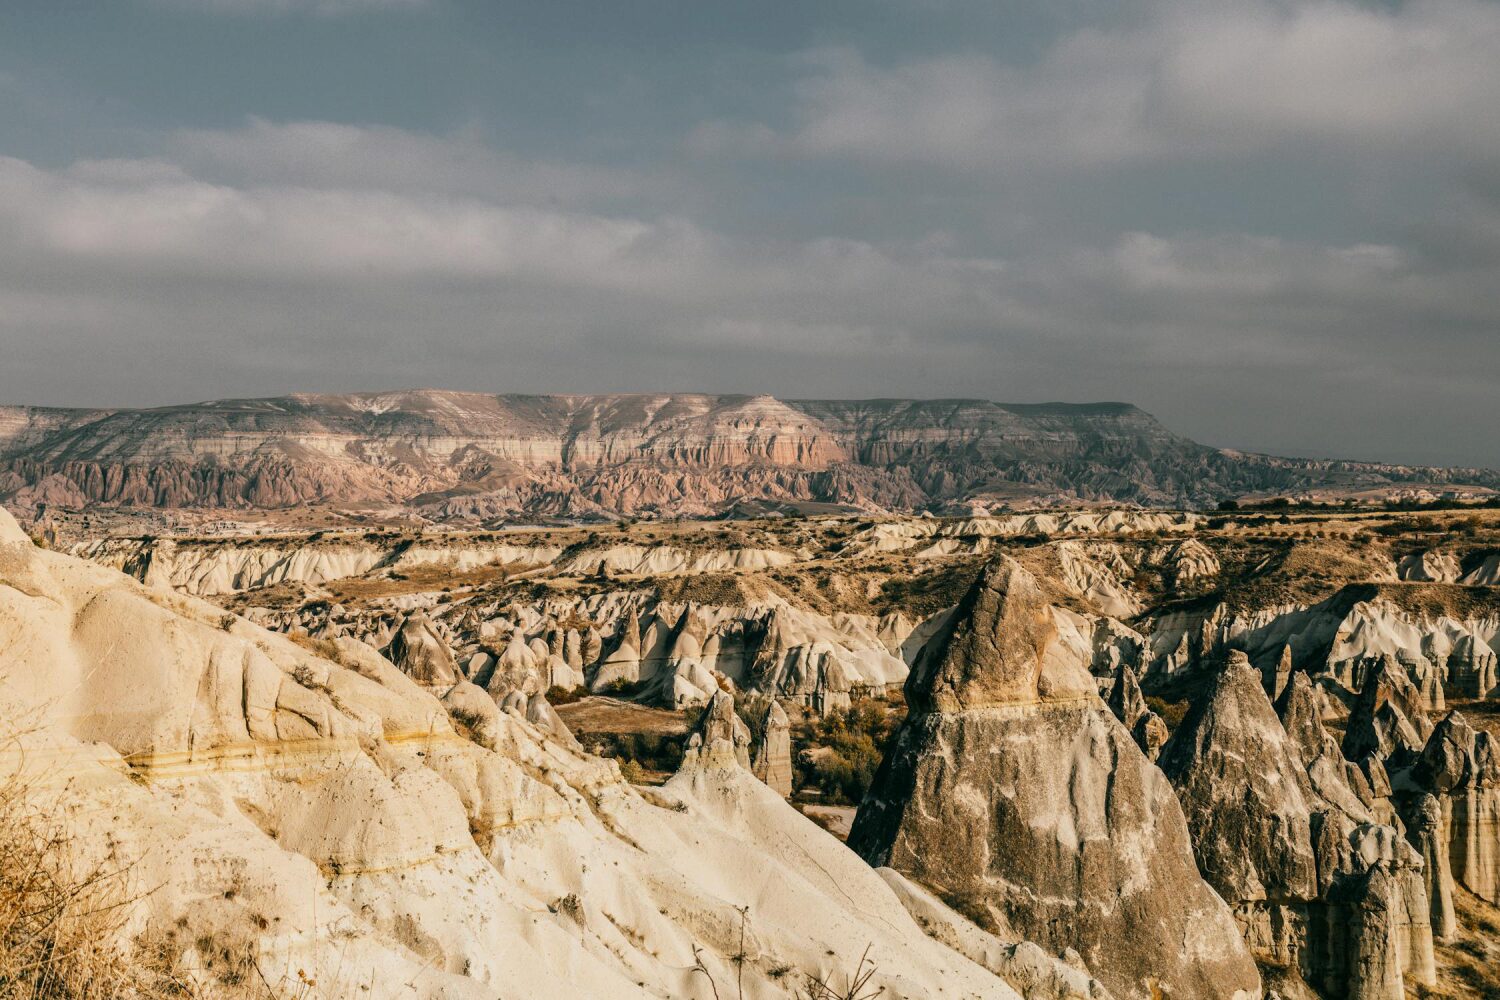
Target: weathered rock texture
(476, 456)
(301, 812)
(1449, 795)
(720, 722)
(771, 757)
(1317, 886)
(1012, 792)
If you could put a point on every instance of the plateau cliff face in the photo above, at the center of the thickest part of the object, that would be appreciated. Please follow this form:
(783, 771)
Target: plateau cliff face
(456, 456)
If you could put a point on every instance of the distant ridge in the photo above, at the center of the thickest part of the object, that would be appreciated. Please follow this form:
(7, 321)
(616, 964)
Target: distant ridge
(475, 457)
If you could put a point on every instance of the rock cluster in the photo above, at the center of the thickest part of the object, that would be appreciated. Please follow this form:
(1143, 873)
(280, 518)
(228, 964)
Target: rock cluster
(1319, 887)
(1013, 792)
(284, 806)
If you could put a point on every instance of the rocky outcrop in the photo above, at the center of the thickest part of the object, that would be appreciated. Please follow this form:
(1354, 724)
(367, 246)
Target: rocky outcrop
(720, 722)
(771, 755)
(420, 653)
(1129, 706)
(1014, 793)
(1317, 886)
(1449, 795)
(1346, 638)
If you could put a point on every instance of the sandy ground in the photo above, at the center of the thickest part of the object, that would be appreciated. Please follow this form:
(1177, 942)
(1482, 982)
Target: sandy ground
(836, 819)
(610, 715)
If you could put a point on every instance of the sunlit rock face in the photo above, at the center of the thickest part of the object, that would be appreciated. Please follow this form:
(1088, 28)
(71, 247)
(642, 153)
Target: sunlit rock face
(1013, 792)
(477, 456)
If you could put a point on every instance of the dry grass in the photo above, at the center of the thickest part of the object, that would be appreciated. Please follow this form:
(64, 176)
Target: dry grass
(60, 917)
(1468, 967)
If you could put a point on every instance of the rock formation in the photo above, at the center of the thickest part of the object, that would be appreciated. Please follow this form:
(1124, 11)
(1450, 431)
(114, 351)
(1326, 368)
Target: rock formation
(720, 722)
(1129, 706)
(278, 810)
(1449, 796)
(771, 757)
(477, 456)
(1014, 793)
(420, 652)
(1309, 893)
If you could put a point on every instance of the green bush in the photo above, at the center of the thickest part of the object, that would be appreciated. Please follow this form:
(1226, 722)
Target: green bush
(557, 695)
(854, 743)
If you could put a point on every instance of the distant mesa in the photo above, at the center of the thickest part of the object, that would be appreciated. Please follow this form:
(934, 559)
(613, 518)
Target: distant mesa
(461, 457)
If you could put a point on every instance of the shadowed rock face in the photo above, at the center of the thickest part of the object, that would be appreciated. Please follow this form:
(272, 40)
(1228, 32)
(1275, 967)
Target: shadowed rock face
(1317, 886)
(421, 653)
(1012, 792)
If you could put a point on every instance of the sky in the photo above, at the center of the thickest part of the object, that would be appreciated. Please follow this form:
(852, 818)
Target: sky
(1274, 224)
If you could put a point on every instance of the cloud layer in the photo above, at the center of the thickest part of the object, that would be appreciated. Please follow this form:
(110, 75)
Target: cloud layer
(1275, 225)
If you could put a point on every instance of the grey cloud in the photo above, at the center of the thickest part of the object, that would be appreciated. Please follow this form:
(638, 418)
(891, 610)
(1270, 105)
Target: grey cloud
(1276, 223)
(324, 8)
(1184, 80)
(228, 280)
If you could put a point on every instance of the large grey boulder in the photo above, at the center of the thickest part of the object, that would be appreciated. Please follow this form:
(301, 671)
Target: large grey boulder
(1013, 793)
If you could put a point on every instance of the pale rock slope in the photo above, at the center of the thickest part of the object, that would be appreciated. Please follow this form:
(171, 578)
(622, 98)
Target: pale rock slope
(326, 815)
(214, 568)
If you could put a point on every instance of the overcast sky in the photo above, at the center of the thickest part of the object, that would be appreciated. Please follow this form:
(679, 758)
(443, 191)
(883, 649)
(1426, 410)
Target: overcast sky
(1274, 224)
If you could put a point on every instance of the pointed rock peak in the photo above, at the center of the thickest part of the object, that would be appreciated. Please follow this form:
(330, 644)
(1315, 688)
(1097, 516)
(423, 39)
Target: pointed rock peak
(992, 649)
(1387, 683)
(540, 713)
(1445, 761)
(1245, 791)
(420, 652)
(721, 722)
(1235, 715)
(776, 716)
(1302, 718)
(1125, 698)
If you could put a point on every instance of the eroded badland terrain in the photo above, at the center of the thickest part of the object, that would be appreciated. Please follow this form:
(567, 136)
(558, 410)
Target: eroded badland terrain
(350, 751)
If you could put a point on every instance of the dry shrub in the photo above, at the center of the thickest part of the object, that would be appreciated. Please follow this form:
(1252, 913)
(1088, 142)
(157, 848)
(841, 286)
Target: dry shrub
(60, 918)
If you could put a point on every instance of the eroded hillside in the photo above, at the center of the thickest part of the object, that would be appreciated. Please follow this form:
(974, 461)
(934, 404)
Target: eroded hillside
(1293, 715)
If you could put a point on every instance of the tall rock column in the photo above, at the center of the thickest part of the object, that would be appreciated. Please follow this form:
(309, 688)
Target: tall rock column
(1013, 793)
(771, 757)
